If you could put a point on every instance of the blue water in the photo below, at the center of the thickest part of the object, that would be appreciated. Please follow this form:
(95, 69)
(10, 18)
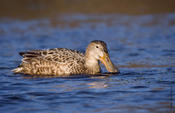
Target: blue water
(143, 48)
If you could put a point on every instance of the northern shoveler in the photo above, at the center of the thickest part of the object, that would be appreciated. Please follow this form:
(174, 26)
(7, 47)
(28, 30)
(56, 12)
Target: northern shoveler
(65, 62)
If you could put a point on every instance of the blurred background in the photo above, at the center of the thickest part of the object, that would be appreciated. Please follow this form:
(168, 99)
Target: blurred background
(50, 8)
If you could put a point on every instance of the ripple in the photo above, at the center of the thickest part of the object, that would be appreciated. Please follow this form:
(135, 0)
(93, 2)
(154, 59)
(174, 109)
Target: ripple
(139, 87)
(138, 45)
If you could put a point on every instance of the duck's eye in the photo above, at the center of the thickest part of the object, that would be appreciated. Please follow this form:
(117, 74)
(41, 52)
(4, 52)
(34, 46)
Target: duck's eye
(96, 46)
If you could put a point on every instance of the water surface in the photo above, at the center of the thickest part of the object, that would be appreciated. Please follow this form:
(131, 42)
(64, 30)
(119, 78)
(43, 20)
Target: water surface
(141, 46)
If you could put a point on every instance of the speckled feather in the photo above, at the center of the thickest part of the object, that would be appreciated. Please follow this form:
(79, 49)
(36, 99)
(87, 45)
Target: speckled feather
(58, 61)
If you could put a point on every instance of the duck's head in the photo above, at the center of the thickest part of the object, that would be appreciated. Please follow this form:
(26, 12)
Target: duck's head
(97, 51)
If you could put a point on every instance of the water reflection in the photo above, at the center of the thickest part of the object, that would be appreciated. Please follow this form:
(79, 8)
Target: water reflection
(98, 85)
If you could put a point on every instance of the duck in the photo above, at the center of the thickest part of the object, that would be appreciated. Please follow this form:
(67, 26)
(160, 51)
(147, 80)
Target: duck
(66, 62)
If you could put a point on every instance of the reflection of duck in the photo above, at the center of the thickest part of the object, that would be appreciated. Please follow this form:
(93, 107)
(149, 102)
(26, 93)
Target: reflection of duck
(98, 85)
(64, 62)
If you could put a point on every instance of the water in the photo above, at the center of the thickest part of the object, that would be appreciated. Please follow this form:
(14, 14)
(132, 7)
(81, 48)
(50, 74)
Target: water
(141, 46)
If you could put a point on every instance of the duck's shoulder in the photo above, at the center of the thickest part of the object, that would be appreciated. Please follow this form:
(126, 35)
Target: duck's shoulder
(65, 52)
(64, 55)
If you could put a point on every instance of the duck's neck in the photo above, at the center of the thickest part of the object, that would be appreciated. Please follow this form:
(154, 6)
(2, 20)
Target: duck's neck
(92, 64)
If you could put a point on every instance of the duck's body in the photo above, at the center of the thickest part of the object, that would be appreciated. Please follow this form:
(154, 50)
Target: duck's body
(65, 62)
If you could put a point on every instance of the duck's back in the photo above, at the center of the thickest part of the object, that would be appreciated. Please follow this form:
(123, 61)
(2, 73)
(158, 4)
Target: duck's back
(58, 61)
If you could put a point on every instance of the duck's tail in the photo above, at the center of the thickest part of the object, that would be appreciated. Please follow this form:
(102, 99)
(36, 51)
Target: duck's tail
(18, 70)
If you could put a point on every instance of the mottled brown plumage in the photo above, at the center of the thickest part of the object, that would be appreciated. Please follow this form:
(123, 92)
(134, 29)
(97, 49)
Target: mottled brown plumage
(65, 62)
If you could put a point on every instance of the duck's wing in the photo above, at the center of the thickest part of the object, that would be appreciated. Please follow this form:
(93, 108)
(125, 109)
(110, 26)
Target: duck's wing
(61, 55)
